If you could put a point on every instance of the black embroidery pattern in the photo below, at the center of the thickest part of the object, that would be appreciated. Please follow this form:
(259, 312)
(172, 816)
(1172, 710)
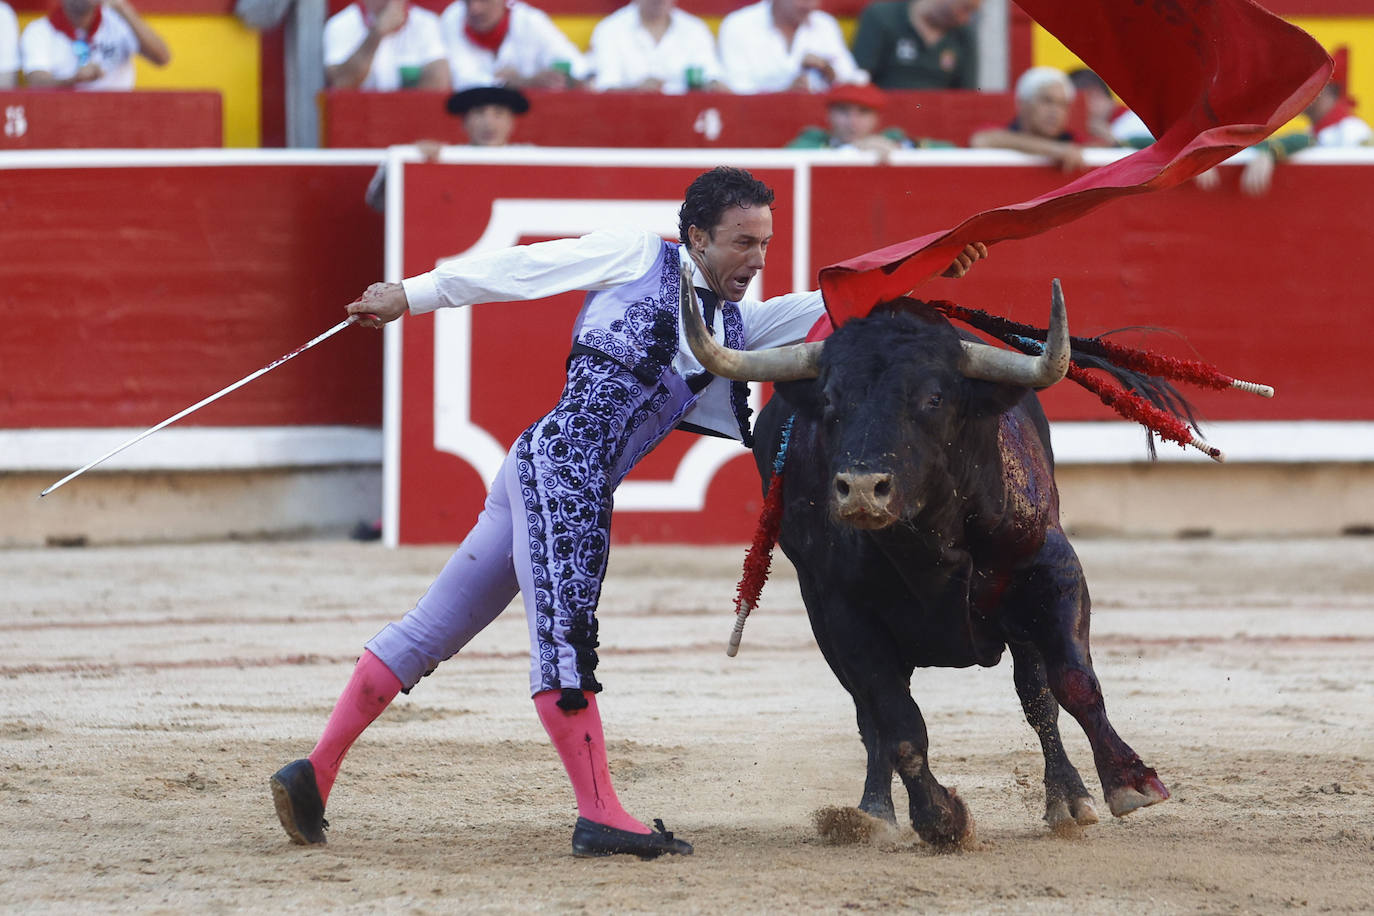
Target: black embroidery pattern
(645, 340)
(567, 465)
(739, 391)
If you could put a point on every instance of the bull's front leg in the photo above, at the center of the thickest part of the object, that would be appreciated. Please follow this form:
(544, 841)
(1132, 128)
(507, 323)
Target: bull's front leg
(1067, 801)
(1052, 611)
(864, 657)
(877, 797)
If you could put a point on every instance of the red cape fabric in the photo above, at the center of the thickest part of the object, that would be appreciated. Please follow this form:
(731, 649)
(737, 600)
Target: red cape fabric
(1209, 78)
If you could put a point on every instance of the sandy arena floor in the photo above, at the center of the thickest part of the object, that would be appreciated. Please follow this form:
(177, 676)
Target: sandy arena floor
(148, 693)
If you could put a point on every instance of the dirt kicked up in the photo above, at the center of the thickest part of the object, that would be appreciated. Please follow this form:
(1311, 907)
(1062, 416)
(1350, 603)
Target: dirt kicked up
(148, 694)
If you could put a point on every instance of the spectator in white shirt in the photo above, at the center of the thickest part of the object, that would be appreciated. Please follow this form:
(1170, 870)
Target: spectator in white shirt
(9, 47)
(652, 46)
(508, 42)
(85, 44)
(384, 45)
(782, 45)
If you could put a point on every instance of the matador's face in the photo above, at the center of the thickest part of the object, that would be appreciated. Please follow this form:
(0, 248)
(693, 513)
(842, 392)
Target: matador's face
(733, 252)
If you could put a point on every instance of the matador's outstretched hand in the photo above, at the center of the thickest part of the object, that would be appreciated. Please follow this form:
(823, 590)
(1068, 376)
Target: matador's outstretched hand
(379, 303)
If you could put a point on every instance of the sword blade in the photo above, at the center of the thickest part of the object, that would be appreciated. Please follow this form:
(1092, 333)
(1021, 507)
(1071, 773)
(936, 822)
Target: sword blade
(199, 404)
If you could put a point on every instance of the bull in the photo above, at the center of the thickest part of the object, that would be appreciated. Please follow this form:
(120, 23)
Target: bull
(921, 513)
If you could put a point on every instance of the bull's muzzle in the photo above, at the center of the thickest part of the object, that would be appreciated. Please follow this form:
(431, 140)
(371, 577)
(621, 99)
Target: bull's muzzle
(865, 499)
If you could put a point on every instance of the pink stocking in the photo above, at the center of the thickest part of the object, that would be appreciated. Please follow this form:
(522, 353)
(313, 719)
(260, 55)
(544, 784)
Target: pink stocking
(582, 746)
(370, 690)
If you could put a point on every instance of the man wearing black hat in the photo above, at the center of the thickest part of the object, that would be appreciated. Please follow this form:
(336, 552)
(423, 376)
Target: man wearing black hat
(488, 114)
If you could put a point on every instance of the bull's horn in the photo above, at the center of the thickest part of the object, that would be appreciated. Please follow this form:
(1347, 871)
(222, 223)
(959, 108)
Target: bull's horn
(994, 364)
(776, 364)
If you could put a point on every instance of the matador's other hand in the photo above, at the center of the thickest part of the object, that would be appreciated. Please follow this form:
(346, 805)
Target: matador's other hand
(379, 303)
(964, 262)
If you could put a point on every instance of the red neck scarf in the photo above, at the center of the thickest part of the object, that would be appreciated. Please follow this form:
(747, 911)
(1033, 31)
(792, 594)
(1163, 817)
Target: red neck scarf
(58, 17)
(491, 39)
(1344, 108)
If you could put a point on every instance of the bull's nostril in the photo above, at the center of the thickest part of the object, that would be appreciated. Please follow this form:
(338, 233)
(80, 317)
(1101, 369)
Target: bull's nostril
(841, 486)
(882, 487)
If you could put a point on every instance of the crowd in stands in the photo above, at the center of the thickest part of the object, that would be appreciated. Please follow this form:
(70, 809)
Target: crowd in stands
(653, 46)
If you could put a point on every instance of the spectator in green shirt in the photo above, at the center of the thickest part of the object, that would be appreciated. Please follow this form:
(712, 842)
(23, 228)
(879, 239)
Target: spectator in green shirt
(854, 113)
(919, 44)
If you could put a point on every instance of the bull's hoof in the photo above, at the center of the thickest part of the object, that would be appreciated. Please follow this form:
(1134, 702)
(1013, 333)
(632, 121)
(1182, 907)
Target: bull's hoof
(1125, 799)
(849, 826)
(954, 831)
(1073, 812)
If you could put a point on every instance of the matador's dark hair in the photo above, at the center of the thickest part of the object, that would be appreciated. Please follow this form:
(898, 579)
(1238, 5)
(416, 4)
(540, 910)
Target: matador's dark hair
(714, 192)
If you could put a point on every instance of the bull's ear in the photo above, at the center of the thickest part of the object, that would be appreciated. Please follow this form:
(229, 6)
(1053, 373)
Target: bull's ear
(993, 398)
(804, 396)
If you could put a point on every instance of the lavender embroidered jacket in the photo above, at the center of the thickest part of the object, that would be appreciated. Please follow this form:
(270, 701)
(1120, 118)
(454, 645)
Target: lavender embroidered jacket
(631, 309)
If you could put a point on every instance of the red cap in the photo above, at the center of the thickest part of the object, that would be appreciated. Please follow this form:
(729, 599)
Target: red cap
(865, 95)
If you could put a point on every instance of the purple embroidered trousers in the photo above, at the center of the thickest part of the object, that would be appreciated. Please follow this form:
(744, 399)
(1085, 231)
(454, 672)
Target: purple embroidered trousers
(544, 531)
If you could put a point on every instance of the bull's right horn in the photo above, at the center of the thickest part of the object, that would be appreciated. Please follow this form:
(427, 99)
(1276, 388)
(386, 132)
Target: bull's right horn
(994, 364)
(775, 364)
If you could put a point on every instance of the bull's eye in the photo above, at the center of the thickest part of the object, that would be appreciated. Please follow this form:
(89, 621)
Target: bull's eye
(935, 400)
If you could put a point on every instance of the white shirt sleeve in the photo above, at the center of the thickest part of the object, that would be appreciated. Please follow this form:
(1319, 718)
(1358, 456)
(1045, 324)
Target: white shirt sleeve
(599, 260)
(343, 33)
(781, 320)
(831, 46)
(38, 50)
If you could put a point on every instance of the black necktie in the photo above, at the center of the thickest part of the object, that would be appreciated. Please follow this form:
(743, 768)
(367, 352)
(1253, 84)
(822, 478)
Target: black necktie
(708, 301)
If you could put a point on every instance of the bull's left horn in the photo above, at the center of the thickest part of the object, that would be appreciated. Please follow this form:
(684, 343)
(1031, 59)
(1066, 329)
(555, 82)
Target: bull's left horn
(993, 364)
(776, 364)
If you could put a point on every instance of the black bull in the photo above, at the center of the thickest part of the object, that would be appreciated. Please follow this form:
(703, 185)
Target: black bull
(922, 516)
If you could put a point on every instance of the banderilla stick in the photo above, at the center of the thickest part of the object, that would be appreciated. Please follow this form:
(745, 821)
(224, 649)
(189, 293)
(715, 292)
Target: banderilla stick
(199, 404)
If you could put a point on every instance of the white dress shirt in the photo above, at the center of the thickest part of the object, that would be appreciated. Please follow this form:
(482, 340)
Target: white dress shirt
(624, 54)
(414, 46)
(113, 47)
(602, 260)
(533, 44)
(756, 57)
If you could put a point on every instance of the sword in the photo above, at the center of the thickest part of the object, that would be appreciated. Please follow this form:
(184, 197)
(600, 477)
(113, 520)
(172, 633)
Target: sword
(351, 319)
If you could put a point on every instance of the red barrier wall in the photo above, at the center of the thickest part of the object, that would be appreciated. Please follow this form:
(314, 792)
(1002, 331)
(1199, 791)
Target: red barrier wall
(635, 119)
(143, 290)
(1234, 280)
(147, 119)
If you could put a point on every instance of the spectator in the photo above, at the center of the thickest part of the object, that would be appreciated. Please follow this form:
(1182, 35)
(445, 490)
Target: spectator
(508, 42)
(85, 44)
(652, 45)
(854, 113)
(1041, 125)
(1109, 122)
(488, 114)
(781, 45)
(384, 45)
(1334, 122)
(9, 47)
(919, 44)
